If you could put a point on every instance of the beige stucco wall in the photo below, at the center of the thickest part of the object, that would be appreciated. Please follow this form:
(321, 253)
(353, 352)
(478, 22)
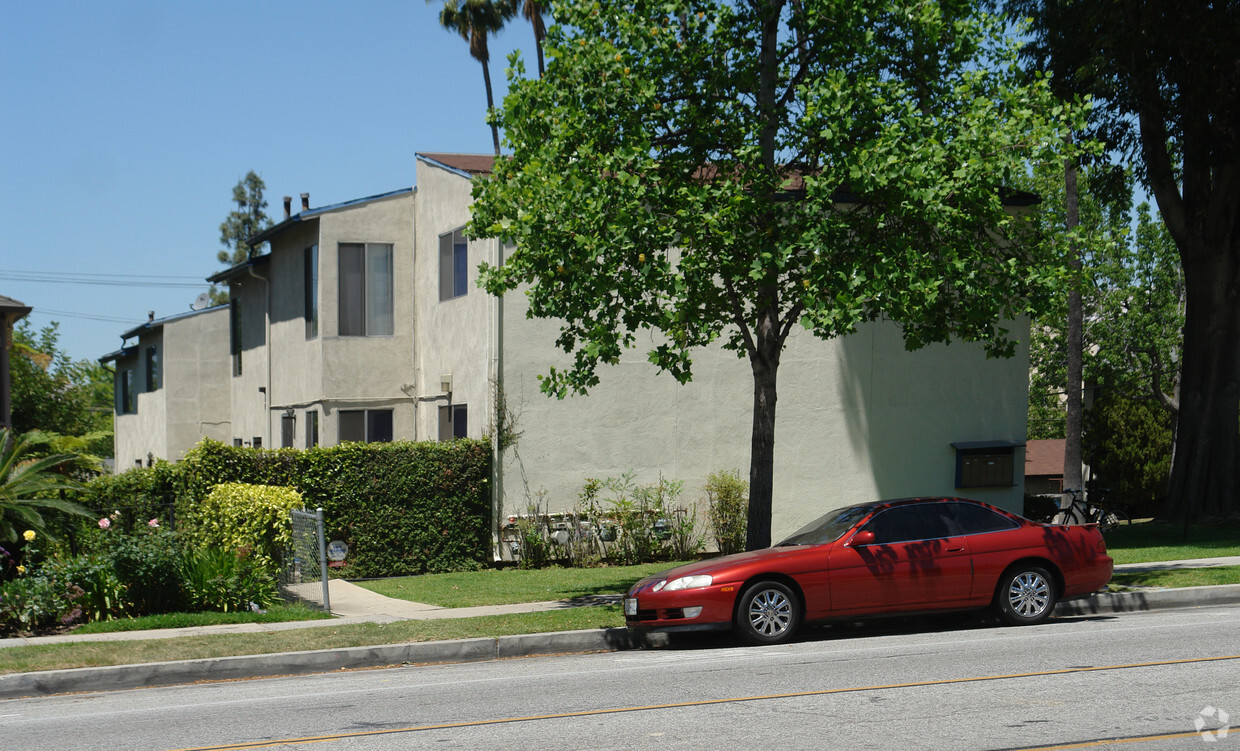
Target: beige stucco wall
(454, 337)
(858, 418)
(329, 372)
(192, 401)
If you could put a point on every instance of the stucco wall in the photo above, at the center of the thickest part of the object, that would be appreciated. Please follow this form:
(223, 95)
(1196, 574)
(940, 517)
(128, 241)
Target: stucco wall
(453, 337)
(330, 372)
(193, 397)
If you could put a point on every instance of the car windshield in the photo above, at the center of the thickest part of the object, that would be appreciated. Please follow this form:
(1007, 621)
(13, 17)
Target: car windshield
(828, 527)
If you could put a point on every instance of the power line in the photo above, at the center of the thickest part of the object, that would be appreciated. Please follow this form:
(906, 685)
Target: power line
(85, 316)
(108, 280)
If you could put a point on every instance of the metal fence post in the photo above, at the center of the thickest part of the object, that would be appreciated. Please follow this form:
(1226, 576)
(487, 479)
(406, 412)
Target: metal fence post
(327, 603)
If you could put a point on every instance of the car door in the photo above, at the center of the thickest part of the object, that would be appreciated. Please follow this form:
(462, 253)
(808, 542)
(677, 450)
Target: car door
(914, 561)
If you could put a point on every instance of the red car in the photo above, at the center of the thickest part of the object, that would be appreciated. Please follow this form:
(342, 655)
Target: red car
(910, 555)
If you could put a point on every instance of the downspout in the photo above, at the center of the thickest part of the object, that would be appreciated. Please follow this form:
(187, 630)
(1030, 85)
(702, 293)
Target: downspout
(497, 454)
(267, 345)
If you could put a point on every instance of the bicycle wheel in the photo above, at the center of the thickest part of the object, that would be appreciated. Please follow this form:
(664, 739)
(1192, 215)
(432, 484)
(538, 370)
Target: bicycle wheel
(1068, 516)
(1110, 518)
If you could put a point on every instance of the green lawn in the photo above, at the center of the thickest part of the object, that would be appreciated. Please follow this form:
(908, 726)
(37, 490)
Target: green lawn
(1159, 541)
(502, 587)
(274, 614)
(1190, 577)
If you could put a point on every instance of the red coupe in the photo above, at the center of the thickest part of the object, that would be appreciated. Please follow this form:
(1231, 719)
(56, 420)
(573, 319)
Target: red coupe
(910, 555)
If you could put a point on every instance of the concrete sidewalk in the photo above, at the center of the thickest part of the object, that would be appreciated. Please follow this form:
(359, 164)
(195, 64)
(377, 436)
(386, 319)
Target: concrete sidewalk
(354, 604)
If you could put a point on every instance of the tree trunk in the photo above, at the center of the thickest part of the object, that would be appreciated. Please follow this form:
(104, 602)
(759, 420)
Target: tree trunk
(764, 361)
(1207, 451)
(1075, 367)
(486, 77)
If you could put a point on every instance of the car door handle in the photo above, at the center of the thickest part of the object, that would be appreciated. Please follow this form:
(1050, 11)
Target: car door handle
(955, 550)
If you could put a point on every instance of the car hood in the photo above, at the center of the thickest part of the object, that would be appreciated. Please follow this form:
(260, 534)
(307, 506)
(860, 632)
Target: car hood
(723, 567)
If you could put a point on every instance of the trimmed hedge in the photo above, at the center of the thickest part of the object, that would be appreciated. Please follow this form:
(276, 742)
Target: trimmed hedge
(402, 508)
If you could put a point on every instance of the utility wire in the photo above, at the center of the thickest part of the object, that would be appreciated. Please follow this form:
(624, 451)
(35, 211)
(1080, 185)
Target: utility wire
(109, 280)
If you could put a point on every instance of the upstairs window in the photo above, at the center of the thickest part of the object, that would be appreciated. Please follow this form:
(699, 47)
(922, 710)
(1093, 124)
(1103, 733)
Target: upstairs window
(310, 283)
(234, 334)
(152, 368)
(453, 265)
(124, 388)
(366, 289)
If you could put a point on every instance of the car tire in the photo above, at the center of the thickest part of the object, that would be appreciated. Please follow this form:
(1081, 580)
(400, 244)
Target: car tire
(768, 612)
(1026, 596)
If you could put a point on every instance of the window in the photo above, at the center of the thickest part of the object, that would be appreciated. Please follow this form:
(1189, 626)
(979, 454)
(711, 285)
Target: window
(453, 422)
(257, 442)
(984, 464)
(312, 428)
(237, 442)
(453, 265)
(152, 368)
(234, 334)
(366, 289)
(125, 391)
(972, 519)
(365, 425)
(310, 281)
(288, 428)
(921, 521)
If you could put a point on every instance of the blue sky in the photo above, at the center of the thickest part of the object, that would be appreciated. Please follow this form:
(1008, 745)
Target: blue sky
(125, 126)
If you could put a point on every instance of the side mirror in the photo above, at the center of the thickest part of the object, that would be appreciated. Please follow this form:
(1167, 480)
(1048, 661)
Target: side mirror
(864, 537)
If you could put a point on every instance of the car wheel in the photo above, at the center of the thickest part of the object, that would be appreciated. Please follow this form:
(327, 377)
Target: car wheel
(1026, 596)
(768, 613)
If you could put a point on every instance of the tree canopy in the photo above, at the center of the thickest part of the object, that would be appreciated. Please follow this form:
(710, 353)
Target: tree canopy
(1166, 79)
(728, 171)
(242, 223)
(54, 394)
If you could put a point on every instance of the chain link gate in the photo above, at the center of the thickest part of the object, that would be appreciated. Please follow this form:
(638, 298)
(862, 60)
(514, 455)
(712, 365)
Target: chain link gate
(304, 576)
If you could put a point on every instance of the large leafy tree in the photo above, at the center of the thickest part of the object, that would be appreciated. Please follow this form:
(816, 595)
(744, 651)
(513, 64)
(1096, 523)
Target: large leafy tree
(718, 170)
(55, 394)
(246, 220)
(475, 20)
(1166, 76)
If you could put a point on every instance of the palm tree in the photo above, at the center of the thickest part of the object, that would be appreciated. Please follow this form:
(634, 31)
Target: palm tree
(532, 11)
(474, 20)
(25, 485)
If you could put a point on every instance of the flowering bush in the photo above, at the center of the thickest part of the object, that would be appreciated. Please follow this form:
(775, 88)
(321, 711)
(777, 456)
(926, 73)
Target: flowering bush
(39, 602)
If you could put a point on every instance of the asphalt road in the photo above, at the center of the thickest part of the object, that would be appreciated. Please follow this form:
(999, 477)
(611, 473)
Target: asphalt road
(939, 684)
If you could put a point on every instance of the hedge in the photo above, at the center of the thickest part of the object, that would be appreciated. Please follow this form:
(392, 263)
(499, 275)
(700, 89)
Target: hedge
(402, 508)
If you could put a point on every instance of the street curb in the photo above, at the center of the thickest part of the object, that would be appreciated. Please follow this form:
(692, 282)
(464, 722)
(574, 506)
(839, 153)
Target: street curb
(1151, 599)
(43, 683)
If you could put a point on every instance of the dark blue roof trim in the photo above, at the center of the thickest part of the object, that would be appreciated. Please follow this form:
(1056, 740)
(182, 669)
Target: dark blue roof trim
(159, 322)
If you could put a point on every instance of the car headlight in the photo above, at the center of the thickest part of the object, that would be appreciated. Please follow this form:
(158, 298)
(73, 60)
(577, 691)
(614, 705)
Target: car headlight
(684, 582)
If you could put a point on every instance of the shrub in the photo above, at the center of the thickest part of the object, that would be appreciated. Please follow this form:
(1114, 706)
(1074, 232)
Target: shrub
(103, 594)
(222, 580)
(248, 519)
(727, 498)
(38, 602)
(148, 566)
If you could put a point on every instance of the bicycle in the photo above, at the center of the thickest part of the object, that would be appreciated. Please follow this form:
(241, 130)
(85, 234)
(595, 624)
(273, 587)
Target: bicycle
(1092, 511)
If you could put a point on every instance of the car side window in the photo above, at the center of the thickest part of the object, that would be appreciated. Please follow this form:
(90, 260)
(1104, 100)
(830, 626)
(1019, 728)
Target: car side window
(972, 519)
(922, 521)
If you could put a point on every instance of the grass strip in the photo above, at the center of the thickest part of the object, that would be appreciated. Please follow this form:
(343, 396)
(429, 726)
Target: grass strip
(25, 659)
(507, 586)
(1149, 542)
(1174, 578)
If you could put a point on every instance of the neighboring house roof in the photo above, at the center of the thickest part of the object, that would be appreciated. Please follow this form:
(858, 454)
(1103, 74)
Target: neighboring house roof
(467, 165)
(1044, 457)
(13, 308)
(156, 323)
(119, 354)
(274, 230)
(239, 269)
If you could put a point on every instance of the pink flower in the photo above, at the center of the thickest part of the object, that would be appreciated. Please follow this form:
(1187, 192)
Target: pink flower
(153, 523)
(104, 523)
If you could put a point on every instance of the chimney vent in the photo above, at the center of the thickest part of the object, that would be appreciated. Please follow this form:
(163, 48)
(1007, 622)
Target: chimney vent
(305, 201)
(150, 316)
(288, 206)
